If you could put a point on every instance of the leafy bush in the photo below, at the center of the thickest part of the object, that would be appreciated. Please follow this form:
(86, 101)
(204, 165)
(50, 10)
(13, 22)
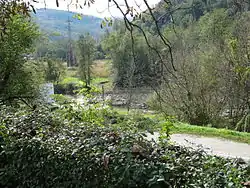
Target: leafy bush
(19, 78)
(54, 71)
(91, 112)
(136, 120)
(206, 89)
(244, 124)
(69, 86)
(72, 152)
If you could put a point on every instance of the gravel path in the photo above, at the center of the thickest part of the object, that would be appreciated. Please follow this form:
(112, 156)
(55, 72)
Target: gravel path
(215, 146)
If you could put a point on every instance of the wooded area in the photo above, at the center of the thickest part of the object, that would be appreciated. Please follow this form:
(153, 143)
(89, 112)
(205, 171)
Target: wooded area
(193, 56)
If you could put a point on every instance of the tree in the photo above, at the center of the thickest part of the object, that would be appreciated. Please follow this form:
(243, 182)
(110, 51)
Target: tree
(17, 79)
(47, 48)
(134, 63)
(54, 70)
(11, 8)
(211, 85)
(87, 48)
(130, 11)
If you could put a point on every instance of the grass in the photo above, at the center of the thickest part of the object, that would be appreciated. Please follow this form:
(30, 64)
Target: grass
(101, 68)
(124, 111)
(107, 86)
(101, 72)
(72, 72)
(97, 80)
(212, 132)
(183, 128)
(70, 80)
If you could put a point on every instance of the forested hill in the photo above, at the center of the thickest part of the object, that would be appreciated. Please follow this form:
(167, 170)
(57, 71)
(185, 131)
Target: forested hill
(184, 12)
(55, 21)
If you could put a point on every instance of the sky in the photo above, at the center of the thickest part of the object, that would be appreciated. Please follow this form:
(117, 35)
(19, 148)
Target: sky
(99, 8)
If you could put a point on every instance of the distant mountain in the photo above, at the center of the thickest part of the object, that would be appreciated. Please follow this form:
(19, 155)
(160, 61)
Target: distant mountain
(56, 22)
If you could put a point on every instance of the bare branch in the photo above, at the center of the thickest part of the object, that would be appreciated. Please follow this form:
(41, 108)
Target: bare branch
(163, 38)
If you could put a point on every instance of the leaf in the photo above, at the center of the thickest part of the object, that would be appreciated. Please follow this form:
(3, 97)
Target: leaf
(110, 24)
(79, 16)
(103, 24)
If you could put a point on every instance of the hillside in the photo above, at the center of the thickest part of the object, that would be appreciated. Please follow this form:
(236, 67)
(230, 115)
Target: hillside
(184, 12)
(55, 21)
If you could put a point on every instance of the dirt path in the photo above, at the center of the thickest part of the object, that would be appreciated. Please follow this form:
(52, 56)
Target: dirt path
(215, 146)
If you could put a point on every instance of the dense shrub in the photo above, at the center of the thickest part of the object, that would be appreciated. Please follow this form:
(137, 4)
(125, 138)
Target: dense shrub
(54, 70)
(138, 121)
(71, 152)
(68, 86)
(19, 78)
(211, 85)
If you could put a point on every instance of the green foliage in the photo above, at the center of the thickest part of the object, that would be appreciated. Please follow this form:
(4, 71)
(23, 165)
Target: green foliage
(72, 72)
(54, 71)
(9, 9)
(18, 76)
(185, 13)
(87, 48)
(183, 128)
(99, 54)
(89, 110)
(158, 123)
(48, 46)
(210, 86)
(247, 124)
(136, 120)
(88, 145)
(52, 49)
(74, 86)
(244, 124)
(134, 63)
(46, 151)
(215, 25)
(69, 86)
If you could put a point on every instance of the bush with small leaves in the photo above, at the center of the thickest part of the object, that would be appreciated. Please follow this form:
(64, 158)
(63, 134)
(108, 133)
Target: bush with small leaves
(74, 152)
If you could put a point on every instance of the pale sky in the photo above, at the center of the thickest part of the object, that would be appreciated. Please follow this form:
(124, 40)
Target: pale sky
(99, 8)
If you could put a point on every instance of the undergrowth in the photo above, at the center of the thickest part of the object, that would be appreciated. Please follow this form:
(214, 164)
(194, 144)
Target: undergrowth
(91, 146)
